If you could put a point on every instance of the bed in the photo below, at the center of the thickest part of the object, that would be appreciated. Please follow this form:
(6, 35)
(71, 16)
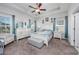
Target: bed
(45, 35)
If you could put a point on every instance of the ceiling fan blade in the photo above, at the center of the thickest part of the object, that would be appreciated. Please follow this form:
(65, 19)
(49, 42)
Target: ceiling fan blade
(43, 9)
(38, 12)
(39, 5)
(32, 7)
(33, 11)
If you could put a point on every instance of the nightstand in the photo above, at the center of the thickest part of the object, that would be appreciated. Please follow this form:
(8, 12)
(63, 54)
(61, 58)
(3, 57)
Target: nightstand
(59, 35)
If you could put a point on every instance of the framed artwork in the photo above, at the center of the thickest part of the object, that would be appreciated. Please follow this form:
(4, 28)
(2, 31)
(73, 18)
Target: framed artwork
(42, 21)
(22, 24)
(52, 19)
(47, 19)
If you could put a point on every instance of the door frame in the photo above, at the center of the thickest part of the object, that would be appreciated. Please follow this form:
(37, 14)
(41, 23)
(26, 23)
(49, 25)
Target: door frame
(75, 30)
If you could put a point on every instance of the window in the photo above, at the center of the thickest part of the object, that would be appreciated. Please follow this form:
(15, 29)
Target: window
(4, 24)
(25, 23)
(60, 24)
(16, 25)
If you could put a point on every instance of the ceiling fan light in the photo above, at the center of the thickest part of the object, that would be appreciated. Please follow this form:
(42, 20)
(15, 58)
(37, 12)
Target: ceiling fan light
(37, 10)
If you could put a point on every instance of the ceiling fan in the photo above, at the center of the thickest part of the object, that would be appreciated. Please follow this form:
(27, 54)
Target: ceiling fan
(38, 9)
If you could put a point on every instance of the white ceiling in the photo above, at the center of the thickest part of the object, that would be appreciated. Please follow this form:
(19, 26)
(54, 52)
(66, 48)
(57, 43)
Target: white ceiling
(23, 8)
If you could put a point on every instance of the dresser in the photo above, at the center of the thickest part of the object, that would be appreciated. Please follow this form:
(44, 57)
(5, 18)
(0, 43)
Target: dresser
(7, 38)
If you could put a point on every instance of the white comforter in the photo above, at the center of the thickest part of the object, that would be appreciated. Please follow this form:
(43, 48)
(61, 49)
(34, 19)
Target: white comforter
(43, 35)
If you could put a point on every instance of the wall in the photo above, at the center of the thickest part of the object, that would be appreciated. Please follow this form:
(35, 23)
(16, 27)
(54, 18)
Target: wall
(49, 24)
(18, 18)
(71, 11)
(54, 15)
(22, 18)
(46, 25)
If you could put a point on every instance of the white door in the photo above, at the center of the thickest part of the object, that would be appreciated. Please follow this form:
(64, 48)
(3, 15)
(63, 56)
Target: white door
(76, 30)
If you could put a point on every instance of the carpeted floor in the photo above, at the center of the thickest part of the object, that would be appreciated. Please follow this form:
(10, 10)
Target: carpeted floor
(56, 47)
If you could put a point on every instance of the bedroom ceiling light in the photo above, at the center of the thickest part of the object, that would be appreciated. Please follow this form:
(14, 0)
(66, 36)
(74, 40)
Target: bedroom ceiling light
(37, 9)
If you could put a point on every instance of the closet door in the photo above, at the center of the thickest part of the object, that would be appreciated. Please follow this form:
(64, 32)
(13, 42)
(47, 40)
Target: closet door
(76, 30)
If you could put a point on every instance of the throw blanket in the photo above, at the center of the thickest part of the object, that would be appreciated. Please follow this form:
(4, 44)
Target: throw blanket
(43, 35)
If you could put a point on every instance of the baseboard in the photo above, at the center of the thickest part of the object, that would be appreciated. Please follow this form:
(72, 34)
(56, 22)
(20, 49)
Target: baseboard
(62, 38)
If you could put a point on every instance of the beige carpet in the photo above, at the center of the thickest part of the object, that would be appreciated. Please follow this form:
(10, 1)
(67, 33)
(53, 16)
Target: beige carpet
(56, 47)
